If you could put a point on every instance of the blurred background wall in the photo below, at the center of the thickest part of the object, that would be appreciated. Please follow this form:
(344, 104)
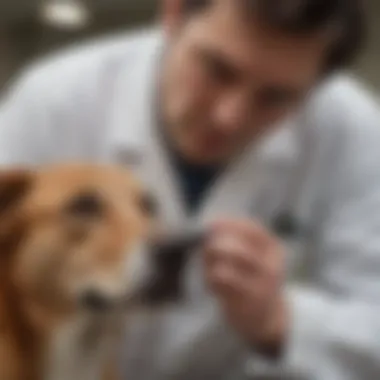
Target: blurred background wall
(31, 28)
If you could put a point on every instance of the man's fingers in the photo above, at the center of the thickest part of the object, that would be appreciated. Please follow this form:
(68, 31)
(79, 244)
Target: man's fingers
(224, 279)
(229, 283)
(233, 251)
(253, 231)
(243, 255)
(232, 263)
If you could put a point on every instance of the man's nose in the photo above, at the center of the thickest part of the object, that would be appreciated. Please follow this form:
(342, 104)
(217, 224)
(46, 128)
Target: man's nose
(231, 111)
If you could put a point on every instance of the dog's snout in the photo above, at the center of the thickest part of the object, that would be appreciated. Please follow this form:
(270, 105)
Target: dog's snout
(153, 275)
(95, 301)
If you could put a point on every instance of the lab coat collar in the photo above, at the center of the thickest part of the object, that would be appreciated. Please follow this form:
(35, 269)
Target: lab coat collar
(240, 191)
(134, 134)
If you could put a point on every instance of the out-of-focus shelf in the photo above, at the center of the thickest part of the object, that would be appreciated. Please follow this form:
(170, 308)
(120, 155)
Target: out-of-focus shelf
(12, 11)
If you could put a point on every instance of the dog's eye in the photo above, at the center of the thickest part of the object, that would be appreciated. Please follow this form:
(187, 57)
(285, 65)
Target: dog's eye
(148, 204)
(85, 205)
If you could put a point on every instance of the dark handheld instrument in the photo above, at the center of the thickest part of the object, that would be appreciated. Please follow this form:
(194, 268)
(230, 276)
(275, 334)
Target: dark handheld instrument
(170, 253)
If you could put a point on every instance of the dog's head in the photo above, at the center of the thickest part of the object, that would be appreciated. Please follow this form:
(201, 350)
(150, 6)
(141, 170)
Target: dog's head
(74, 236)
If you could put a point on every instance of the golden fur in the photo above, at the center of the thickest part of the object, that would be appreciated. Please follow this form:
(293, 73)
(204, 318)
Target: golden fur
(51, 249)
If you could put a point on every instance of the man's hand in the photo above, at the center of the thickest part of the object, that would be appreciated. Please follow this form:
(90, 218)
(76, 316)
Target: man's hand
(244, 267)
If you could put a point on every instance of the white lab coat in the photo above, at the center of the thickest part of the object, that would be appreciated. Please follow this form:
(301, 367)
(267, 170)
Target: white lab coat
(95, 104)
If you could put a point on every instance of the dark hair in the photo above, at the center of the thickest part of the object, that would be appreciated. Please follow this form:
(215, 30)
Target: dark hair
(308, 16)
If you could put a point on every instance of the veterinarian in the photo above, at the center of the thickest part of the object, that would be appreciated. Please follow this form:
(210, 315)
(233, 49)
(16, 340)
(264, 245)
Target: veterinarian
(241, 115)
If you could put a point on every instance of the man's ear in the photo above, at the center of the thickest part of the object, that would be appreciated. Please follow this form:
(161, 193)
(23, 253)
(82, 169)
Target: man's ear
(171, 16)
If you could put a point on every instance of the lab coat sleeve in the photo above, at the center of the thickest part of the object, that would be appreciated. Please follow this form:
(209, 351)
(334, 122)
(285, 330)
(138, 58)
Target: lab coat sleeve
(335, 317)
(26, 119)
(50, 113)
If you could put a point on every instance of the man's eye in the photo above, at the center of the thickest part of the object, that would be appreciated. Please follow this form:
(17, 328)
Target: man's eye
(220, 71)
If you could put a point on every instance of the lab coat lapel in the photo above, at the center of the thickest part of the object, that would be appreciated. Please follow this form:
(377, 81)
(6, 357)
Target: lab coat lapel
(254, 186)
(134, 138)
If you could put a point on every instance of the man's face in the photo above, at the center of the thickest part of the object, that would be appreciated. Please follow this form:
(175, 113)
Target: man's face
(227, 79)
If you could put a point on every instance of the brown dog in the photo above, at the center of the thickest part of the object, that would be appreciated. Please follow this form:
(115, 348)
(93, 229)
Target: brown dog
(72, 257)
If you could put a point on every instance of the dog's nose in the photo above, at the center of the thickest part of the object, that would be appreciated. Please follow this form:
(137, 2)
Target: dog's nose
(95, 301)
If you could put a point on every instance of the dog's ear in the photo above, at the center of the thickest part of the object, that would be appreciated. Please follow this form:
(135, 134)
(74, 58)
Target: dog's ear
(14, 184)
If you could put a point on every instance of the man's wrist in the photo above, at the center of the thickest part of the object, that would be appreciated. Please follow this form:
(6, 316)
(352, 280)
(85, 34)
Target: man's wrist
(271, 340)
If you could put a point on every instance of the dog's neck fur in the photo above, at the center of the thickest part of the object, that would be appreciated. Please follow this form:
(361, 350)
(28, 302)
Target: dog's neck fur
(81, 348)
(20, 342)
(33, 347)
